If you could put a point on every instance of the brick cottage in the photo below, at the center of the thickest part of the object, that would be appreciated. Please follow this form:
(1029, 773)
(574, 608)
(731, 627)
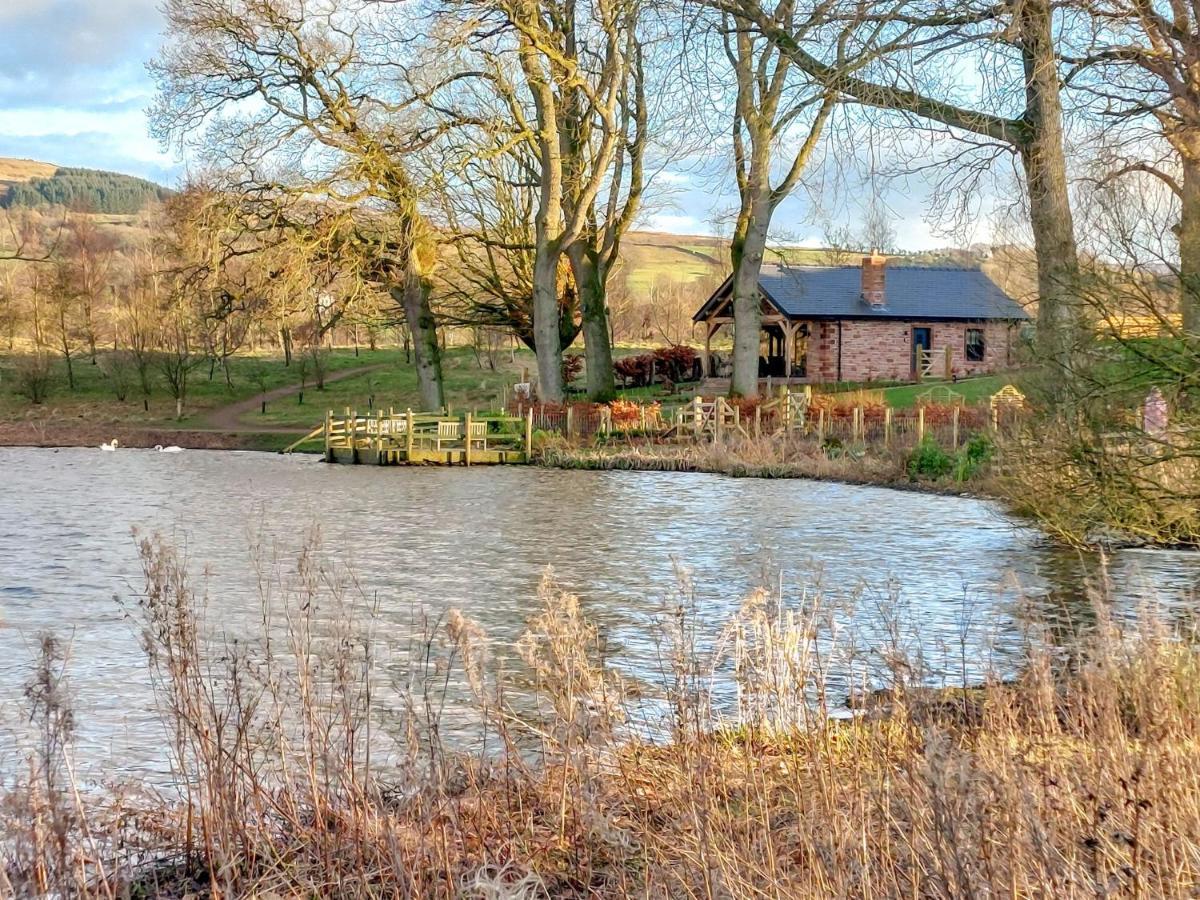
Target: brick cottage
(873, 322)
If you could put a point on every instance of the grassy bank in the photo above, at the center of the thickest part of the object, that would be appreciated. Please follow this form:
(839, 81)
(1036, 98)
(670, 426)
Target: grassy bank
(309, 766)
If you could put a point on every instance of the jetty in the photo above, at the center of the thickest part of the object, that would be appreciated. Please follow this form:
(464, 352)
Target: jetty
(407, 438)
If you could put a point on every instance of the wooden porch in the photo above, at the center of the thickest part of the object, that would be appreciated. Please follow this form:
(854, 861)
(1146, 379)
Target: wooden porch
(783, 347)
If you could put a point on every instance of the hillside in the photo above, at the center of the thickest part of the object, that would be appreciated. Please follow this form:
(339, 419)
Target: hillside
(29, 184)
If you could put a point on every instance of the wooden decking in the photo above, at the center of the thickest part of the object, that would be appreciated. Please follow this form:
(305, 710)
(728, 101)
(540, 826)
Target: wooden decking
(408, 438)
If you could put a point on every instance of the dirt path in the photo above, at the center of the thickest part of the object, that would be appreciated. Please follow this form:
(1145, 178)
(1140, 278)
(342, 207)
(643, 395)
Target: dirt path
(229, 418)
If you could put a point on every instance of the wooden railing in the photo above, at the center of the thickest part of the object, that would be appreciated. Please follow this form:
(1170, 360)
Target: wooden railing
(470, 437)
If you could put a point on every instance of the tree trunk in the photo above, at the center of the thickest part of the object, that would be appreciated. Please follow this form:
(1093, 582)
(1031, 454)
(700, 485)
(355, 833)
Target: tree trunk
(413, 297)
(597, 346)
(546, 336)
(749, 245)
(1189, 243)
(1044, 161)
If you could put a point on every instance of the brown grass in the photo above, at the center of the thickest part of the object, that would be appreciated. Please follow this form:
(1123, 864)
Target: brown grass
(1076, 779)
(20, 170)
(748, 458)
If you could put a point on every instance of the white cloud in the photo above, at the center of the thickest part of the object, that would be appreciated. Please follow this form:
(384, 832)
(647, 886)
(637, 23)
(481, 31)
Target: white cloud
(674, 224)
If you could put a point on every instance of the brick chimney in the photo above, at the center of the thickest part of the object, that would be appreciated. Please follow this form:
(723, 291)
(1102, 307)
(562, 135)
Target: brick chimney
(873, 280)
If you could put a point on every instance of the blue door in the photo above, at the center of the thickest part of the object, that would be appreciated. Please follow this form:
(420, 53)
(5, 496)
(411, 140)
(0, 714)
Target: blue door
(922, 338)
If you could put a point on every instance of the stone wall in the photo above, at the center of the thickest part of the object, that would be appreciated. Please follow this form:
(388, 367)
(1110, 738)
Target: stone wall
(882, 350)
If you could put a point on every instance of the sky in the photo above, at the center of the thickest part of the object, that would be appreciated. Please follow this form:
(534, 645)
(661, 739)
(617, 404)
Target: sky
(73, 84)
(74, 90)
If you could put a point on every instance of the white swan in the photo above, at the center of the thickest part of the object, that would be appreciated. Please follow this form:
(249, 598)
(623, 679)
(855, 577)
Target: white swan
(111, 445)
(172, 449)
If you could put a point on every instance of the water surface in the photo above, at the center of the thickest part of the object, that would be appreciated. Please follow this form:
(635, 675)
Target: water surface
(480, 540)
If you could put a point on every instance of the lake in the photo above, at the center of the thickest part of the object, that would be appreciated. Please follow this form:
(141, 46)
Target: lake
(956, 570)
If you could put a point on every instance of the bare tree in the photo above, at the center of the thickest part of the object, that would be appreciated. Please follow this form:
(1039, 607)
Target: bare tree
(559, 77)
(896, 41)
(330, 121)
(878, 234)
(1140, 67)
(773, 100)
(489, 212)
(88, 254)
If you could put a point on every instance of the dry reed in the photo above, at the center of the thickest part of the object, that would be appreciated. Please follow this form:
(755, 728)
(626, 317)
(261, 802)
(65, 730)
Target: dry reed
(1076, 778)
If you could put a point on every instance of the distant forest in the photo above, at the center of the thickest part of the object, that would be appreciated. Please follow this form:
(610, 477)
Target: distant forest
(86, 189)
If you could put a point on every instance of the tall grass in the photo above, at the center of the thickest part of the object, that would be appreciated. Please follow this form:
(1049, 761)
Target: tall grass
(307, 761)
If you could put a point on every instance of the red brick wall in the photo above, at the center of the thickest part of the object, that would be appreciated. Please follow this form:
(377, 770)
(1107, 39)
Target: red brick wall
(882, 350)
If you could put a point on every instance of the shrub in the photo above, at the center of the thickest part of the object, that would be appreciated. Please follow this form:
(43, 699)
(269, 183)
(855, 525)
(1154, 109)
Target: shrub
(675, 363)
(120, 368)
(34, 375)
(668, 364)
(929, 460)
(572, 365)
(973, 457)
(627, 415)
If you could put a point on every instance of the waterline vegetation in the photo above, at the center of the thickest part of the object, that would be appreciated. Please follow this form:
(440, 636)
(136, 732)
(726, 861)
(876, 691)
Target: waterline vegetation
(305, 761)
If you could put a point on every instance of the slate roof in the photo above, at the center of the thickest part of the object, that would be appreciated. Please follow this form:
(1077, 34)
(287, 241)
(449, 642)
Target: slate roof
(911, 292)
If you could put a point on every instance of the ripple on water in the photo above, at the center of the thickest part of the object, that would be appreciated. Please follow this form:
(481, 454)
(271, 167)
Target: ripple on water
(480, 539)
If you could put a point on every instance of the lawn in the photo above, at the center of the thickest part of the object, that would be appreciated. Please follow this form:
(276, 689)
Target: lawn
(468, 387)
(972, 390)
(94, 399)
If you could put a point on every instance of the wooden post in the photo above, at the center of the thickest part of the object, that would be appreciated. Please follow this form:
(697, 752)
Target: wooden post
(757, 421)
(887, 427)
(643, 416)
(328, 434)
(408, 436)
(379, 436)
(920, 373)
(706, 355)
(920, 424)
(719, 418)
(529, 435)
(467, 445)
(856, 424)
(955, 419)
(949, 367)
(821, 426)
(789, 347)
(570, 421)
(354, 436)
(697, 413)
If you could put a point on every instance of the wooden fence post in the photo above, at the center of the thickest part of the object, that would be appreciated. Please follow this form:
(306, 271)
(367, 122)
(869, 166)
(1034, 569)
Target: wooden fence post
(529, 435)
(643, 416)
(354, 436)
(757, 422)
(887, 427)
(920, 424)
(570, 421)
(328, 434)
(467, 445)
(857, 426)
(408, 435)
(955, 417)
(821, 426)
(949, 366)
(698, 413)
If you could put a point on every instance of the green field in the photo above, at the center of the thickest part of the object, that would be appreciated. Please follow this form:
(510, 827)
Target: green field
(94, 398)
(972, 390)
